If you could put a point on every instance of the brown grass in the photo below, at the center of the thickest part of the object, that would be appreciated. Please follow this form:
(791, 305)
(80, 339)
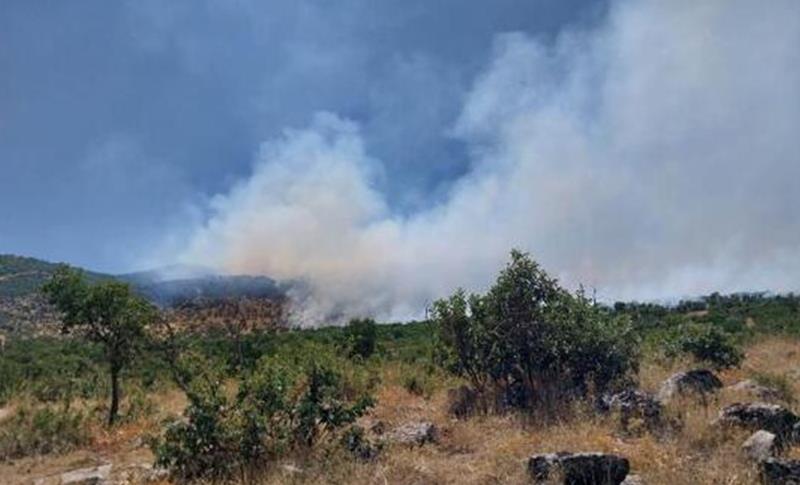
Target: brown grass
(494, 449)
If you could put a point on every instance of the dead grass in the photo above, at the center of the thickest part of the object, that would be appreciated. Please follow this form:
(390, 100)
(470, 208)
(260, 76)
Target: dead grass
(494, 449)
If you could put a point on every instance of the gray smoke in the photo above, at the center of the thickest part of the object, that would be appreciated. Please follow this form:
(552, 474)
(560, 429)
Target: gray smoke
(655, 156)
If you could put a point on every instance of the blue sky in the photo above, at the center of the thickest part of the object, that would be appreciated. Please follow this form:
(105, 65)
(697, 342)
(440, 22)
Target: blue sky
(388, 152)
(114, 116)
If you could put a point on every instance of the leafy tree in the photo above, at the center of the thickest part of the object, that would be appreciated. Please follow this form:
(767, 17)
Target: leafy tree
(533, 340)
(107, 313)
(361, 335)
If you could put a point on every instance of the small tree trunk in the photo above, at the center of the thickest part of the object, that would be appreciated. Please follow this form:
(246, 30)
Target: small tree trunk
(114, 409)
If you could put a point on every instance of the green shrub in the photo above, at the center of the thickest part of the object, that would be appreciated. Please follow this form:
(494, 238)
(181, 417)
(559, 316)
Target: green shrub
(707, 343)
(533, 339)
(361, 336)
(40, 431)
(277, 408)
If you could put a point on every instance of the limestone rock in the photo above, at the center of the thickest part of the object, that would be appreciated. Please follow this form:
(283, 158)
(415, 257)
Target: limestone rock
(761, 416)
(780, 472)
(633, 480)
(415, 433)
(87, 476)
(579, 468)
(760, 445)
(693, 382)
(633, 403)
(756, 390)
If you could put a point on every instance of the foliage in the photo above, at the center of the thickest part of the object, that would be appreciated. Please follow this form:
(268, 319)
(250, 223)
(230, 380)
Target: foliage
(706, 343)
(532, 339)
(276, 409)
(360, 337)
(40, 431)
(106, 313)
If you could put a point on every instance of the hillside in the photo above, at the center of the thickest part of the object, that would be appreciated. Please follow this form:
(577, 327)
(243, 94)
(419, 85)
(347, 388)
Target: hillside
(190, 298)
(23, 276)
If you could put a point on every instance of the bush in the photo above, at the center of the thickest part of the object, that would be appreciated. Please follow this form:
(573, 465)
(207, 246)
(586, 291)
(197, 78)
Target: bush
(276, 409)
(532, 339)
(42, 431)
(361, 336)
(707, 343)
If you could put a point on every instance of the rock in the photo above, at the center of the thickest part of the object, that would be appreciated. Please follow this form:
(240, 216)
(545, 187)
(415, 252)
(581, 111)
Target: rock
(693, 382)
(758, 415)
(633, 403)
(51, 480)
(140, 473)
(756, 390)
(87, 476)
(415, 433)
(760, 445)
(579, 468)
(633, 480)
(291, 469)
(780, 472)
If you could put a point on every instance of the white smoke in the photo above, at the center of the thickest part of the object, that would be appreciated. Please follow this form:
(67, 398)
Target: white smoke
(655, 156)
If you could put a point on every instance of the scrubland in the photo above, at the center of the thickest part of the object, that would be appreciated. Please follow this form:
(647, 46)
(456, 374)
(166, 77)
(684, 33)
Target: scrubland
(321, 405)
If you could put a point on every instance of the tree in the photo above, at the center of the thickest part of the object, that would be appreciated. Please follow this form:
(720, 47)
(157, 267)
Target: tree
(361, 336)
(532, 340)
(107, 313)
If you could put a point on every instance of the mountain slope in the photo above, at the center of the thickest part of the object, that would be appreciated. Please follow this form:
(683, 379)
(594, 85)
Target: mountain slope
(192, 299)
(21, 275)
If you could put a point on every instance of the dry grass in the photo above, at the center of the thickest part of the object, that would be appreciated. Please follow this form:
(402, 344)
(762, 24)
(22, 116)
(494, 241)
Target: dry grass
(494, 449)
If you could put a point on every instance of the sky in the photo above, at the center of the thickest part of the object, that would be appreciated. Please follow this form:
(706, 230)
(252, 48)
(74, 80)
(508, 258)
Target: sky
(388, 152)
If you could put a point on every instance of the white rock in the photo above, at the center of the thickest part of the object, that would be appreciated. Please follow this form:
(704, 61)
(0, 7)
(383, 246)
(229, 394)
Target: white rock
(87, 476)
(416, 433)
(760, 445)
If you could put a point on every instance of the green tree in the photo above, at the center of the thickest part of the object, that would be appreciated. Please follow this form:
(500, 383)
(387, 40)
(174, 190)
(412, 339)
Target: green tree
(107, 313)
(361, 336)
(533, 340)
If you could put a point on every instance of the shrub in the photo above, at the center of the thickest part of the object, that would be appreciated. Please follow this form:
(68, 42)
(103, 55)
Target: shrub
(361, 336)
(277, 408)
(533, 339)
(42, 431)
(707, 343)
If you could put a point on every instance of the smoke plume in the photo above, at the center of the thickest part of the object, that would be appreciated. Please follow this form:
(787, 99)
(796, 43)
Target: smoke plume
(654, 156)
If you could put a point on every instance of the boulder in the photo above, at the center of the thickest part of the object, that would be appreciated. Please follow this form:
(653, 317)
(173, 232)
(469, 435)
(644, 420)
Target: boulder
(633, 403)
(693, 382)
(415, 433)
(760, 446)
(87, 476)
(756, 390)
(780, 472)
(579, 468)
(761, 416)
